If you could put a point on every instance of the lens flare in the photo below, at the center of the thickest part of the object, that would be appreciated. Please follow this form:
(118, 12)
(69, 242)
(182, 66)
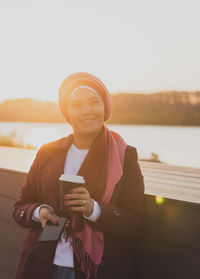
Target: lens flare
(159, 200)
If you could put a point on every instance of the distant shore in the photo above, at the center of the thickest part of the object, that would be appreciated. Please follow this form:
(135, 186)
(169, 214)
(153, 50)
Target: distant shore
(163, 108)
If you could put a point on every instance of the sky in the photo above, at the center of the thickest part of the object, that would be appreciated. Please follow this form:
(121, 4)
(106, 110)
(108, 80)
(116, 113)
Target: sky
(140, 46)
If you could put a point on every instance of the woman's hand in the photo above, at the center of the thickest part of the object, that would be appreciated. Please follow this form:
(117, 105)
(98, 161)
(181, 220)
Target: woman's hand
(82, 201)
(45, 215)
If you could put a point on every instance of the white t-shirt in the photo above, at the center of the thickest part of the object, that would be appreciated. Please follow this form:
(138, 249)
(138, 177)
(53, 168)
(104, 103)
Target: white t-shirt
(64, 253)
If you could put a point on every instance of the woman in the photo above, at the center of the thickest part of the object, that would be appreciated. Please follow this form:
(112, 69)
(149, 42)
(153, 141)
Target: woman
(106, 215)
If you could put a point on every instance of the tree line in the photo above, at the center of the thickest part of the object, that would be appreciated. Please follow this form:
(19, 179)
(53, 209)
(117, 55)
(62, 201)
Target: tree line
(164, 108)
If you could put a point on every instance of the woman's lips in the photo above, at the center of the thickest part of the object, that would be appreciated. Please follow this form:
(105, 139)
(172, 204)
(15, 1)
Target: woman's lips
(88, 120)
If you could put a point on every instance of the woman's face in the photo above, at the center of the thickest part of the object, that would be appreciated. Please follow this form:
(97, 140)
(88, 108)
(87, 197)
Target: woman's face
(86, 112)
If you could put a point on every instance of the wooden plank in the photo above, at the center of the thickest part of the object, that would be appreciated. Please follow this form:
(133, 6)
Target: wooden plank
(171, 172)
(171, 188)
(173, 169)
(160, 166)
(173, 182)
(180, 177)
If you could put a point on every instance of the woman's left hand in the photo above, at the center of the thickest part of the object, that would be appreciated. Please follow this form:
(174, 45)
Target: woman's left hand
(81, 202)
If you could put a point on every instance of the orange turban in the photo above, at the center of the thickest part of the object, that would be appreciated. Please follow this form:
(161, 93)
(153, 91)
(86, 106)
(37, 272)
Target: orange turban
(83, 79)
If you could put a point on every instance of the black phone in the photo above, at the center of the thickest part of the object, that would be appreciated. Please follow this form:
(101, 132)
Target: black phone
(51, 231)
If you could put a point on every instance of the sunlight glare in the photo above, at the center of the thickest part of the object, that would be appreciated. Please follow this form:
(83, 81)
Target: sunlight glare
(41, 135)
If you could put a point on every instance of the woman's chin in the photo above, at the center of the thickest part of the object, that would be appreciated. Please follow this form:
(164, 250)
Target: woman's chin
(88, 131)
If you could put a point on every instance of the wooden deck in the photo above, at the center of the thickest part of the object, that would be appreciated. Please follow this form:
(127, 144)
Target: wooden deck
(179, 183)
(170, 247)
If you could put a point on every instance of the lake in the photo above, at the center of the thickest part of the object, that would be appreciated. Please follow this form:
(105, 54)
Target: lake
(175, 145)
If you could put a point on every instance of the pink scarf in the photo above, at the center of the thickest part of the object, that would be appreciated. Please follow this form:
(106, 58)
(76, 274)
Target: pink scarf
(102, 170)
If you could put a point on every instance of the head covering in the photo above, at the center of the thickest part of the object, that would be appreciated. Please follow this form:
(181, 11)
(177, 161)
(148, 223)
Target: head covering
(102, 169)
(78, 80)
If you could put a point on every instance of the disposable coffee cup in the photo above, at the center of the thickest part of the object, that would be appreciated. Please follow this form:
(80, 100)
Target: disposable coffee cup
(68, 182)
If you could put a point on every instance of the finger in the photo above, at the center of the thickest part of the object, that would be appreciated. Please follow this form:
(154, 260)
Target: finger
(43, 222)
(80, 202)
(79, 190)
(53, 219)
(76, 196)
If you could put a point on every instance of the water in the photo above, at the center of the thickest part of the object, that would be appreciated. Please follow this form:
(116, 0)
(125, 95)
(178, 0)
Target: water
(175, 145)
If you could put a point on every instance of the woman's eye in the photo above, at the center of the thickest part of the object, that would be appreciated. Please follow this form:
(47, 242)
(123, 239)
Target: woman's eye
(75, 105)
(94, 102)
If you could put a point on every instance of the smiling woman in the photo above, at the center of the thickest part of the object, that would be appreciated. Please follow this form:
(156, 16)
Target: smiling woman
(105, 215)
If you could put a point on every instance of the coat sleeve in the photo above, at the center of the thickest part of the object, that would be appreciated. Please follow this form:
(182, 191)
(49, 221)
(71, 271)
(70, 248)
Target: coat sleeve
(27, 202)
(125, 217)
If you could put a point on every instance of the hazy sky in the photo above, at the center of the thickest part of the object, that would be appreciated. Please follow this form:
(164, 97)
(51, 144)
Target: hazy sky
(135, 46)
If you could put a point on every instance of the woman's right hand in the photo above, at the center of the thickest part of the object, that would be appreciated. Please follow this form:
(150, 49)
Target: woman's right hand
(45, 215)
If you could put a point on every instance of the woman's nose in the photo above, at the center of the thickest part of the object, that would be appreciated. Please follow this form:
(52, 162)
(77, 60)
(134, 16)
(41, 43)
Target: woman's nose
(86, 108)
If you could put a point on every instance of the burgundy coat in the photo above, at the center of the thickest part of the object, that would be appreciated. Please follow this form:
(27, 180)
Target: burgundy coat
(121, 220)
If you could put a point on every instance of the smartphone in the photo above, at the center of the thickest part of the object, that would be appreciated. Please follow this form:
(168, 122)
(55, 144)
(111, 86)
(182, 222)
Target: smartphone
(52, 232)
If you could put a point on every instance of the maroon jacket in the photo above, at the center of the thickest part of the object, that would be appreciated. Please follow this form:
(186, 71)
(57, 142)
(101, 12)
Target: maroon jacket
(121, 220)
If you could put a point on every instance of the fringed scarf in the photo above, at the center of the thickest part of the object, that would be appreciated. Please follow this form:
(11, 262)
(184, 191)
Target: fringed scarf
(101, 169)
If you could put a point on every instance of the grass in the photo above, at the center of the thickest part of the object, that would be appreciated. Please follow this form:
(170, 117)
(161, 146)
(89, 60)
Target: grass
(12, 141)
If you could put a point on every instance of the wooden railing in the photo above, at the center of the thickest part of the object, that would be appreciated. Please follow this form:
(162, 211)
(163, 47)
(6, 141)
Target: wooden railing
(170, 246)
